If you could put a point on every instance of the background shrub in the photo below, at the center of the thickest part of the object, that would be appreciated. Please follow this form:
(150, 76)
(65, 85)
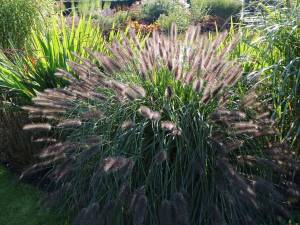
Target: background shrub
(151, 10)
(112, 20)
(221, 8)
(198, 10)
(17, 149)
(26, 72)
(271, 48)
(17, 18)
(165, 12)
(180, 16)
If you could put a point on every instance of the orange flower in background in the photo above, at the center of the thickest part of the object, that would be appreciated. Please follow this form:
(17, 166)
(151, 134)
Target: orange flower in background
(144, 28)
(33, 62)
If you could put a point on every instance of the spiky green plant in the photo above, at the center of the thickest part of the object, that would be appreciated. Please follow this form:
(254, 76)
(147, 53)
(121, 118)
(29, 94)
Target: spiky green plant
(25, 73)
(158, 136)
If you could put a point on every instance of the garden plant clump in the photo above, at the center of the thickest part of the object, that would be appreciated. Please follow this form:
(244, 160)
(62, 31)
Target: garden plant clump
(159, 135)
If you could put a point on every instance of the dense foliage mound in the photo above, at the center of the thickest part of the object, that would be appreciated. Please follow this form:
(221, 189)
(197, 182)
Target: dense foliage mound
(157, 134)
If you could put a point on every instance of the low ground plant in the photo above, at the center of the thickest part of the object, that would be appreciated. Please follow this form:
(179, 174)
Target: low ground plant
(158, 134)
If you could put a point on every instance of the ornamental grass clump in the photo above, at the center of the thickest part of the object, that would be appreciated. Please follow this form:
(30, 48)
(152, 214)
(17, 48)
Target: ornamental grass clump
(156, 134)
